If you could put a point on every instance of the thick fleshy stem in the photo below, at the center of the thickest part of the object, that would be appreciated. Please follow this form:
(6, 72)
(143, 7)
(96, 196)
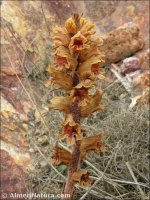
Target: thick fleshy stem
(69, 186)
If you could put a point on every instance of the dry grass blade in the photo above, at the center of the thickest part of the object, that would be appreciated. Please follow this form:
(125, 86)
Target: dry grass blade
(83, 197)
(54, 168)
(135, 180)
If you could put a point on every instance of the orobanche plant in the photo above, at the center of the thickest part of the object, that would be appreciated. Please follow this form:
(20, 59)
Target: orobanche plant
(77, 64)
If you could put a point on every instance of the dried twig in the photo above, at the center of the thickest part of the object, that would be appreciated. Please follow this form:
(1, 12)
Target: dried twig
(122, 80)
(135, 180)
(45, 17)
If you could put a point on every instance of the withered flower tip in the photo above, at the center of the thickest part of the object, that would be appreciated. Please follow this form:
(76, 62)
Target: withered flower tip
(71, 27)
(78, 23)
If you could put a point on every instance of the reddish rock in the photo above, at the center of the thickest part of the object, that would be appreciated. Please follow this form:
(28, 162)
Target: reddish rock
(13, 179)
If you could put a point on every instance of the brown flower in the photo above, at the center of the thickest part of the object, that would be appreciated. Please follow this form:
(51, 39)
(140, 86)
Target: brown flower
(61, 78)
(71, 130)
(61, 104)
(92, 105)
(90, 68)
(61, 156)
(80, 92)
(82, 177)
(92, 143)
(63, 59)
(78, 42)
(80, 95)
(61, 37)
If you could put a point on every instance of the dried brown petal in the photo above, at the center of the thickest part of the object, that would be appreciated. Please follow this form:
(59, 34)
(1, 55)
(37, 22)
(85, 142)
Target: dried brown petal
(61, 156)
(61, 104)
(63, 59)
(90, 68)
(92, 50)
(80, 95)
(87, 27)
(61, 37)
(87, 83)
(61, 78)
(71, 26)
(92, 105)
(92, 143)
(80, 92)
(82, 177)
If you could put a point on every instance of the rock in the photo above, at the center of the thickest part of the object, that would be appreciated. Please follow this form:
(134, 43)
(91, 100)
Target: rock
(130, 64)
(121, 43)
(14, 136)
(13, 179)
(144, 57)
(43, 164)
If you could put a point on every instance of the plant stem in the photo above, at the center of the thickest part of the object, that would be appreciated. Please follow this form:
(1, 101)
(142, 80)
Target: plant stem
(69, 186)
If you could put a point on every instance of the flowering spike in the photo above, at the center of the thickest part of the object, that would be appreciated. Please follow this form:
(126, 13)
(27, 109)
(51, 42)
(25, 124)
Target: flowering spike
(77, 64)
